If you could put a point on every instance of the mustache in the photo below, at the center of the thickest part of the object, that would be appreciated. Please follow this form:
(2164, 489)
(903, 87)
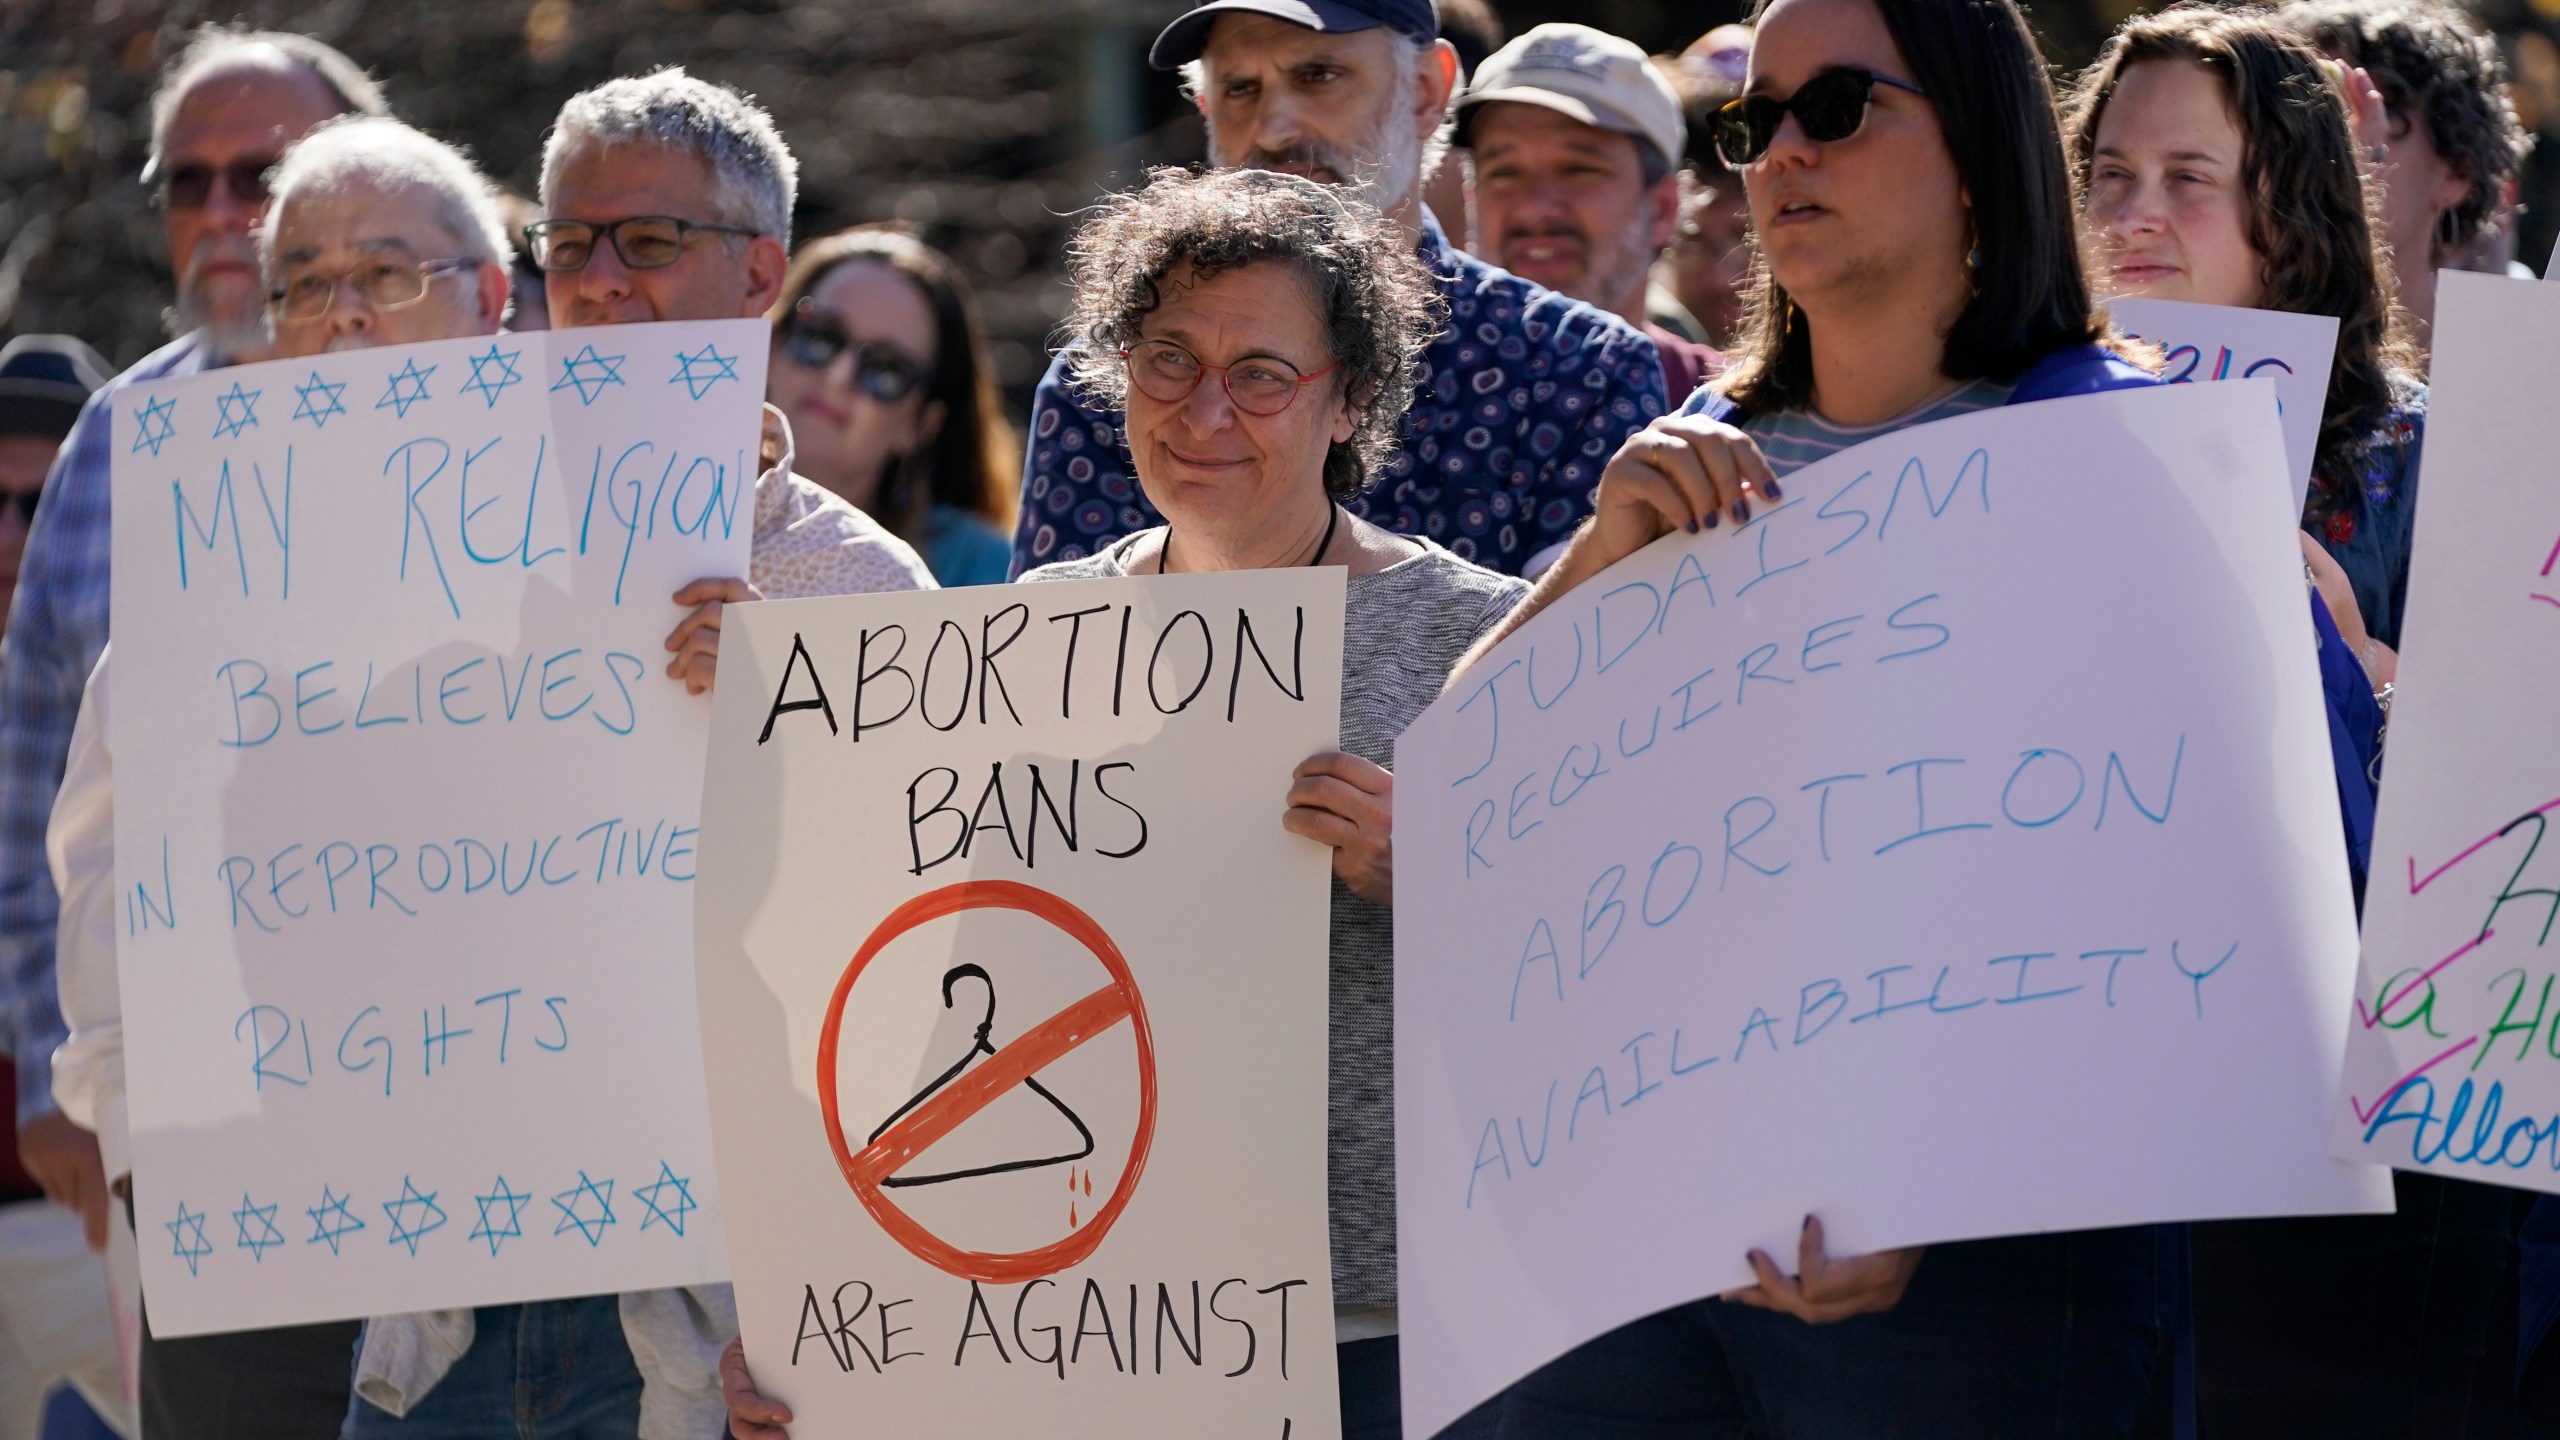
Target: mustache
(1546, 232)
(215, 247)
(1312, 155)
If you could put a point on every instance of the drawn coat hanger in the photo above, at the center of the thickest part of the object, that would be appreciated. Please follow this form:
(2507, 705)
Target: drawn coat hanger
(984, 1045)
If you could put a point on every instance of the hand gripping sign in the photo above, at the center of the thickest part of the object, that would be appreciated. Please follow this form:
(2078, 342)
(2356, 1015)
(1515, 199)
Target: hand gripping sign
(1013, 1000)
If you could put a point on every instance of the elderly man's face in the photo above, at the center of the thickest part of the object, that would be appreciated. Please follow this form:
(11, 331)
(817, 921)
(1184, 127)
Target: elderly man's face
(361, 237)
(1566, 204)
(245, 111)
(1333, 108)
(718, 277)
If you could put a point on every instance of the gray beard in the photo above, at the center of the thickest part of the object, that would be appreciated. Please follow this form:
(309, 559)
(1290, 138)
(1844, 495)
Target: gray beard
(231, 339)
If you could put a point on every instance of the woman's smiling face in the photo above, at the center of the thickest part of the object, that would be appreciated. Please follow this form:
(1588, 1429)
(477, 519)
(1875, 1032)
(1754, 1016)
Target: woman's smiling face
(1203, 460)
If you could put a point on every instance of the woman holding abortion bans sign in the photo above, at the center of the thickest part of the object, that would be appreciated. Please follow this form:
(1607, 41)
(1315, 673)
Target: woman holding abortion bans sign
(1906, 178)
(1261, 331)
(2219, 166)
(2216, 152)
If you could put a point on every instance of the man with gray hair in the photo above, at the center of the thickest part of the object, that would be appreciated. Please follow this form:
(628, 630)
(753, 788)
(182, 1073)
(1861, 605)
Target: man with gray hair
(229, 104)
(1523, 395)
(382, 235)
(354, 206)
(664, 198)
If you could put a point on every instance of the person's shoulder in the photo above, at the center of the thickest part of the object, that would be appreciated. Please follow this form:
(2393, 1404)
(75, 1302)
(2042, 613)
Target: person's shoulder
(1544, 316)
(966, 548)
(1440, 581)
(1103, 564)
(809, 541)
(2083, 369)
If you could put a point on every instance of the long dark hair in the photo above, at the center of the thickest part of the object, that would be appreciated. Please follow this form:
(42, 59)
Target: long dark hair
(1979, 66)
(974, 463)
(2310, 220)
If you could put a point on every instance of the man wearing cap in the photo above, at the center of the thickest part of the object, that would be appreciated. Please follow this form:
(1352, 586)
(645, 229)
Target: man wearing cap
(54, 1324)
(44, 380)
(1523, 397)
(1574, 142)
(231, 102)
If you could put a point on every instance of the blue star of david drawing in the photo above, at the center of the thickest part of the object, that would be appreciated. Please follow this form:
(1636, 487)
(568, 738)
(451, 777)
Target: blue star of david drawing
(186, 1237)
(572, 1215)
(661, 1213)
(331, 1220)
(238, 411)
(408, 387)
(492, 373)
(155, 424)
(407, 1211)
(267, 1236)
(698, 373)
(588, 373)
(492, 1231)
(319, 401)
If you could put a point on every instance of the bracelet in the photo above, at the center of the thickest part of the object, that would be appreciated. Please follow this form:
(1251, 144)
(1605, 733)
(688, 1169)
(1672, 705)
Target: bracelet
(2382, 698)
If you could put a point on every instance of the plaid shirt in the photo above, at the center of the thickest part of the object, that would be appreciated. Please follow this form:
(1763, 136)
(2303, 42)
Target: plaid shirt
(57, 626)
(1521, 400)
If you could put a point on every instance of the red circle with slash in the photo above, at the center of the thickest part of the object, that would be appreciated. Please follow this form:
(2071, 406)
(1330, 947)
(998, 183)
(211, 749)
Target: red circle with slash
(945, 1111)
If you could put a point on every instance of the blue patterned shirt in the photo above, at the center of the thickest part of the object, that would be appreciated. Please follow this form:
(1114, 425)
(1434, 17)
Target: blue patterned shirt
(1521, 401)
(57, 626)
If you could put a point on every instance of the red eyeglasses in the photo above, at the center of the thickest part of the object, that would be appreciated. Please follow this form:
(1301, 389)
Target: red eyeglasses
(1259, 385)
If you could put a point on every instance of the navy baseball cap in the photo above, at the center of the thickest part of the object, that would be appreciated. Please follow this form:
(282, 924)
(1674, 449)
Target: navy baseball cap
(44, 380)
(1183, 40)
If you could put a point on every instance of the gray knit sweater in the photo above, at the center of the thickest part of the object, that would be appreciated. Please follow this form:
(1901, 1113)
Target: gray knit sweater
(1403, 631)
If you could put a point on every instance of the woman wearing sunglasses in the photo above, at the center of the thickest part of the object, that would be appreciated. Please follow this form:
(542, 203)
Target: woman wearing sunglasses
(1919, 260)
(881, 366)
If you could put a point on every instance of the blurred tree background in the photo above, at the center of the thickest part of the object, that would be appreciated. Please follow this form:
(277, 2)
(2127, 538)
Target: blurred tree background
(986, 123)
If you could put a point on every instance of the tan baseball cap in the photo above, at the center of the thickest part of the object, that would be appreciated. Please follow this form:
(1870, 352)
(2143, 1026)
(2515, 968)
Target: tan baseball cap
(1591, 75)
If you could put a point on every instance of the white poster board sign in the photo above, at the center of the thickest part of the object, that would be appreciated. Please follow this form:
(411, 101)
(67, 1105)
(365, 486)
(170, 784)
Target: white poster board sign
(2450, 1054)
(405, 818)
(1013, 997)
(1866, 862)
(2229, 342)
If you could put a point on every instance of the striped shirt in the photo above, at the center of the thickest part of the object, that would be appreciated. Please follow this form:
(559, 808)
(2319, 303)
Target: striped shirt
(1793, 439)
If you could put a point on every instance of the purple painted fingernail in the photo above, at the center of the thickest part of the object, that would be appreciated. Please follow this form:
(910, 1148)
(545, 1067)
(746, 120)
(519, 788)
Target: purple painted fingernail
(1741, 512)
(1771, 490)
(1711, 520)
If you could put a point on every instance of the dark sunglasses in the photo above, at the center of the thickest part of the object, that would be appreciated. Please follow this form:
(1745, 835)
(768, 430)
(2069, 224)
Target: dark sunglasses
(187, 187)
(22, 501)
(883, 372)
(1830, 106)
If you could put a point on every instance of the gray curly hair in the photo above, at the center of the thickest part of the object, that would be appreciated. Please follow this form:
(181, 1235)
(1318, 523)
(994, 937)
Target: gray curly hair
(754, 177)
(1377, 303)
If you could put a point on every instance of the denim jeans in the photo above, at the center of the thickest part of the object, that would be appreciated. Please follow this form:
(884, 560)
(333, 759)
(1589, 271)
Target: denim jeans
(1645, 1381)
(2027, 1338)
(552, 1370)
(283, 1384)
(2363, 1327)
(2043, 1337)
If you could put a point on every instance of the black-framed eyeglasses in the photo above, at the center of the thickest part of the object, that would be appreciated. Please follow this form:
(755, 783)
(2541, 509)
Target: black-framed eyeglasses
(1830, 106)
(1258, 384)
(811, 339)
(189, 186)
(384, 282)
(645, 242)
